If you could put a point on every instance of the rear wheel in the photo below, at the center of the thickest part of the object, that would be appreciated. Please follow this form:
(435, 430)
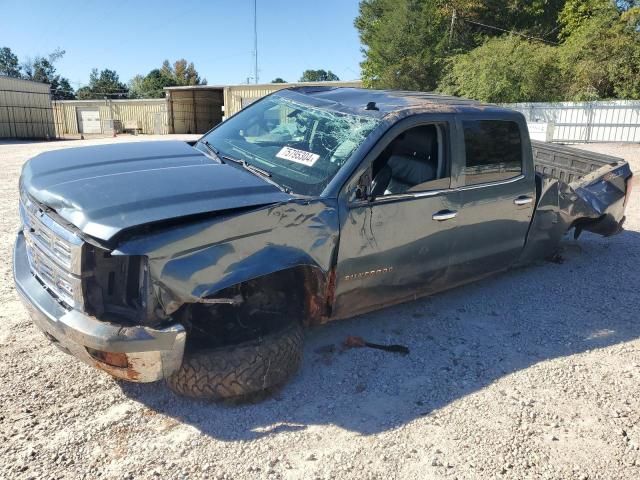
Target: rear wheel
(242, 371)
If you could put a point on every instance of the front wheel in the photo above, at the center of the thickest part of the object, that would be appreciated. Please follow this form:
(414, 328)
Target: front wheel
(242, 371)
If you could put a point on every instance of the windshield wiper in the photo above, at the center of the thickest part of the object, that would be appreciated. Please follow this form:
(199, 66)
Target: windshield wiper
(256, 170)
(211, 148)
(247, 165)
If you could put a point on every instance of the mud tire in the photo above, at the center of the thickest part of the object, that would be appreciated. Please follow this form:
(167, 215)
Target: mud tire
(240, 373)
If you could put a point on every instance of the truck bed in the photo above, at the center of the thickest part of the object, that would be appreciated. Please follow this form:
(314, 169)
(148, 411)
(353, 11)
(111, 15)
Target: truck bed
(566, 163)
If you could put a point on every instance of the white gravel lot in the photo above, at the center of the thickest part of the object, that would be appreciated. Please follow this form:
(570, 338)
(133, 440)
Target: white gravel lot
(531, 374)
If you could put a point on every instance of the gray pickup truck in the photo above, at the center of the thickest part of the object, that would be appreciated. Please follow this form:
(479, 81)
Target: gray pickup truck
(201, 263)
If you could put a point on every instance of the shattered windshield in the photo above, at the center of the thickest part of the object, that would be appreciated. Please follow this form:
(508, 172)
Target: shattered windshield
(301, 147)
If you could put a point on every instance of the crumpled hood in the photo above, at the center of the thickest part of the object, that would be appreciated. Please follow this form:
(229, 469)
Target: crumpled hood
(107, 189)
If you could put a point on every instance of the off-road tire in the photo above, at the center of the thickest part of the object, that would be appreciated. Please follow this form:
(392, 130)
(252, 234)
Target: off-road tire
(242, 372)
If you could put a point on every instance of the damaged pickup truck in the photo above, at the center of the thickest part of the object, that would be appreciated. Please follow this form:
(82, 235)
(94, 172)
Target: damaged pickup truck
(201, 264)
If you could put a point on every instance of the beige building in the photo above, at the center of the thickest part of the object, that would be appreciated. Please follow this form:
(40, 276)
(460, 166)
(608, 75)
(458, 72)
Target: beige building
(25, 109)
(197, 109)
(103, 116)
(191, 109)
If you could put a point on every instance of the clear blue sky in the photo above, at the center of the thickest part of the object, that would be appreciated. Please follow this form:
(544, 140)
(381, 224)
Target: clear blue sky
(217, 35)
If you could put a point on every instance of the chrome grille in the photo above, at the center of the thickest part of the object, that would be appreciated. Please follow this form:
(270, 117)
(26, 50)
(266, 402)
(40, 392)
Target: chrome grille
(55, 254)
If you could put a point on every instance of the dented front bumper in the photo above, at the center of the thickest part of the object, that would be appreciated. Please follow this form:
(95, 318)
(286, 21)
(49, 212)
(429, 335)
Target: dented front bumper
(135, 353)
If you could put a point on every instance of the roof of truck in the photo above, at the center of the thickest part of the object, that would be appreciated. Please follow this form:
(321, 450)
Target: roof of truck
(389, 101)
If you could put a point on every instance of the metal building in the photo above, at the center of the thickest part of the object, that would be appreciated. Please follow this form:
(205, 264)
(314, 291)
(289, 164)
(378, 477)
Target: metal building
(236, 97)
(198, 108)
(104, 116)
(25, 109)
(194, 109)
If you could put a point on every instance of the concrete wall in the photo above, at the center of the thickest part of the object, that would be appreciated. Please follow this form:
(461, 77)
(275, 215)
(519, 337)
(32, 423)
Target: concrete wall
(150, 114)
(25, 109)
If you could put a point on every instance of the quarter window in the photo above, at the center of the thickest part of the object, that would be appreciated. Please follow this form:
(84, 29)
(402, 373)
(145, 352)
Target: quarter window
(493, 151)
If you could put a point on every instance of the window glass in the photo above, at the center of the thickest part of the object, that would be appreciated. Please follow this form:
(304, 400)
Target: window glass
(300, 145)
(413, 161)
(493, 151)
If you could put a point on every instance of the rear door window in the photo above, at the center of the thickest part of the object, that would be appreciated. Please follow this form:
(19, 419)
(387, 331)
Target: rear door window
(493, 151)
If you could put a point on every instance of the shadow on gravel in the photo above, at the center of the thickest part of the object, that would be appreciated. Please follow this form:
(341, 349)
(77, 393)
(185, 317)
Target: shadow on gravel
(461, 342)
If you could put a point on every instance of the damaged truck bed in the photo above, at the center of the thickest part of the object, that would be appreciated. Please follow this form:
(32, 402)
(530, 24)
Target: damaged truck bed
(201, 264)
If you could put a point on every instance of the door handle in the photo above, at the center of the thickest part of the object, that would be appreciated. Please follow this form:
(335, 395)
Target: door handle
(523, 200)
(443, 215)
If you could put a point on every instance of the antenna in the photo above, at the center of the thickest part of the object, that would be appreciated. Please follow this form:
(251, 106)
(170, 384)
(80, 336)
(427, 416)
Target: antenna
(255, 38)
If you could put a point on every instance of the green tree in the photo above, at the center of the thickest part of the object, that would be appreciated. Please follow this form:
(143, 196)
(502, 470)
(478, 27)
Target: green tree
(151, 85)
(105, 83)
(318, 76)
(278, 80)
(401, 49)
(406, 43)
(182, 73)
(601, 50)
(506, 69)
(9, 63)
(42, 69)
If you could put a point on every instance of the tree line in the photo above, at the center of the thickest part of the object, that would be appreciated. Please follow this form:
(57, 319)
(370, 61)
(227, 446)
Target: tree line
(106, 83)
(503, 50)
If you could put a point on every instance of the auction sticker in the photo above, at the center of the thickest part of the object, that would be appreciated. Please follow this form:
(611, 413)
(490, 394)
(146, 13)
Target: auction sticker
(298, 156)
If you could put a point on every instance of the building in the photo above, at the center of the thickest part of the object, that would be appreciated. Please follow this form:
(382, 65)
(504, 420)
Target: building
(88, 117)
(198, 108)
(25, 109)
(191, 109)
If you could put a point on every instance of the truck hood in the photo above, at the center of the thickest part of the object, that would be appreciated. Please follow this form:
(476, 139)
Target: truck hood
(107, 189)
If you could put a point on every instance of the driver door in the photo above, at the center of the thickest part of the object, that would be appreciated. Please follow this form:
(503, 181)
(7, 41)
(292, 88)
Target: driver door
(396, 245)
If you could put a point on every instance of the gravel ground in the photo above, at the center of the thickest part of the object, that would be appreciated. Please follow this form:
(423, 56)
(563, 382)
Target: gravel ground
(531, 374)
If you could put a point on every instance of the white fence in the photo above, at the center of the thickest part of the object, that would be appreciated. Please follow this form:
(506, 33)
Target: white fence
(586, 122)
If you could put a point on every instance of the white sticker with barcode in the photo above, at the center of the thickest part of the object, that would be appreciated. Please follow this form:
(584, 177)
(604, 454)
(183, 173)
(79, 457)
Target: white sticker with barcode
(298, 156)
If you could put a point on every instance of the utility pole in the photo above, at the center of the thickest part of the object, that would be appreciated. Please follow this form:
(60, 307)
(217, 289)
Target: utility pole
(255, 38)
(453, 22)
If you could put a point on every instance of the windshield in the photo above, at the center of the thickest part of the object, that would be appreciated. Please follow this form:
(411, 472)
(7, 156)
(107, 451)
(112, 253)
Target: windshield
(302, 147)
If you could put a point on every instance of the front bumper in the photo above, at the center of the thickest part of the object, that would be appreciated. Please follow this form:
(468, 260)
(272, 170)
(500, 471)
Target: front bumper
(150, 354)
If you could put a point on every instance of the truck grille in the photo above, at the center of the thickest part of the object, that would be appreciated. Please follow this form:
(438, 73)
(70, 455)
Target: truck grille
(55, 254)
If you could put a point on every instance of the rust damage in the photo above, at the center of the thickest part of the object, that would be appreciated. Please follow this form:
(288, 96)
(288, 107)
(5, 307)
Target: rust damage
(115, 364)
(319, 295)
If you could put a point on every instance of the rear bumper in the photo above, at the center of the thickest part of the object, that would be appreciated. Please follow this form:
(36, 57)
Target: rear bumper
(150, 354)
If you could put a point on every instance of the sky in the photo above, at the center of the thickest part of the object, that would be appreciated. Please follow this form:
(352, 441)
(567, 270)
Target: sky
(217, 35)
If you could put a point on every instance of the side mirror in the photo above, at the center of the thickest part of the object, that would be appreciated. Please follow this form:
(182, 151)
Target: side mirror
(362, 194)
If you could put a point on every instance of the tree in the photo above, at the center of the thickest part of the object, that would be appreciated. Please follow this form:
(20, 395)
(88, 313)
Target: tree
(152, 85)
(318, 76)
(42, 69)
(9, 63)
(106, 83)
(182, 73)
(278, 80)
(406, 43)
(601, 50)
(506, 69)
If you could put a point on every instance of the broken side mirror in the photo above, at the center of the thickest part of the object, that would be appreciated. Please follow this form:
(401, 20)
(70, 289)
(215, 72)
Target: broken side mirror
(363, 189)
(361, 193)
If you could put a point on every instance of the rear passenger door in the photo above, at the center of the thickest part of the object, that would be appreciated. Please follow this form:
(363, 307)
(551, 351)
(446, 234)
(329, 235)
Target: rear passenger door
(496, 183)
